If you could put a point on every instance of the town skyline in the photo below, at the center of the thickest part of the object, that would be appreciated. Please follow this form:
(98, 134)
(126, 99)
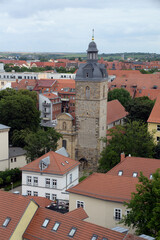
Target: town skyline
(66, 26)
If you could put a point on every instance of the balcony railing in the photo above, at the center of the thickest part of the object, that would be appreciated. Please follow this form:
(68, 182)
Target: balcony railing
(46, 104)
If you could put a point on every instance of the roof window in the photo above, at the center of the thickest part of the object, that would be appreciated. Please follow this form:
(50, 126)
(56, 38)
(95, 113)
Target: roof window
(120, 173)
(67, 162)
(56, 226)
(45, 223)
(150, 177)
(94, 237)
(62, 163)
(6, 222)
(104, 238)
(72, 232)
(135, 174)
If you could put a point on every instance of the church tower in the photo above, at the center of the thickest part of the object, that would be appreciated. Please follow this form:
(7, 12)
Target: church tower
(91, 107)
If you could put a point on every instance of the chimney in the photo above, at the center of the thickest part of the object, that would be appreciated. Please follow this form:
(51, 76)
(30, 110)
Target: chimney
(122, 157)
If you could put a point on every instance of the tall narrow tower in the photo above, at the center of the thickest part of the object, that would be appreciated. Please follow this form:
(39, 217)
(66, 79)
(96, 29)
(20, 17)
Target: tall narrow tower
(91, 107)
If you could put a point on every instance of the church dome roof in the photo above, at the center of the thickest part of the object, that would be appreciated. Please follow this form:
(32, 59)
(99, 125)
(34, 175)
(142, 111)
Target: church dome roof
(92, 47)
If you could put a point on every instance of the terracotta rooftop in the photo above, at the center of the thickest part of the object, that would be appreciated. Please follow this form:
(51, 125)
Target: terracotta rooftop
(58, 164)
(155, 113)
(50, 95)
(115, 111)
(24, 83)
(41, 201)
(64, 83)
(78, 213)
(45, 83)
(106, 187)
(129, 165)
(84, 230)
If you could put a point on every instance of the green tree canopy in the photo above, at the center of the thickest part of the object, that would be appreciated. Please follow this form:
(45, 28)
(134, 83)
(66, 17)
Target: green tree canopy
(132, 138)
(41, 142)
(139, 108)
(144, 206)
(121, 94)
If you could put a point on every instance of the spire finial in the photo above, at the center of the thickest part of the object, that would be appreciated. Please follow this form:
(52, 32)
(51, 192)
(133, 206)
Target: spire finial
(92, 34)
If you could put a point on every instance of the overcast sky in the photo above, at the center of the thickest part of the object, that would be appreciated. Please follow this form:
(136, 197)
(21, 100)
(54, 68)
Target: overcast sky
(66, 25)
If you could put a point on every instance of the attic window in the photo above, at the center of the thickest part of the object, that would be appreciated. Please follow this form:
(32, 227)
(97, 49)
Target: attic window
(6, 222)
(150, 177)
(56, 226)
(45, 223)
(72, 232)
(62, 163)
(120, 173)
(104, 238)
(135, 174)
(67, 162)
(94, 237)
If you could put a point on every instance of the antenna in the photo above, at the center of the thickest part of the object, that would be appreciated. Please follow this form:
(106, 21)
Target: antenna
(92, 34)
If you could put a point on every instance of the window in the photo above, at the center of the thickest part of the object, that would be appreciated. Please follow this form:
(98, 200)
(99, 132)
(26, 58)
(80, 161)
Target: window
(64, 126)
(72, 232)
(117, 214)
(70, 178)
(80, 204)
(35, 194)
(94, 237)
(56, 226)
(7, 220)
(158, 139)
(47, 195)
(35, 181)
(120, 173)
(2, 83)
(127, 212)
(29, 193)
(135, 174)
(48, 182)
(158, 127)
(14, 159)
(64, 143)
(150, 177)
(29, 180)
(54, 183)
(103, 91)
(54, 197)
(11, 159)
(87, 92)
(45, 223)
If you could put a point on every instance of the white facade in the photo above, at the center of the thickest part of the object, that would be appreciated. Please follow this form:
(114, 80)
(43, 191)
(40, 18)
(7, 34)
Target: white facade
(49, 185)
(45, 107)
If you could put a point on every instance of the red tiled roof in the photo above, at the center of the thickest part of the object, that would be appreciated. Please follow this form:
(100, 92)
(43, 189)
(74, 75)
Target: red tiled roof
(151, 93)
(106, 187)
(50, 95)
(58, 164)
(84, 230)
(24, 83)
(64, 83)
(123, 73)
(45, 82)
(136, 164)
(115, 111)
(12, 206)
(155, 113)
(78, 213)
(41, 201)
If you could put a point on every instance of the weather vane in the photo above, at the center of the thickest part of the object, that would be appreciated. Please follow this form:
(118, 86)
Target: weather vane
(92, 34)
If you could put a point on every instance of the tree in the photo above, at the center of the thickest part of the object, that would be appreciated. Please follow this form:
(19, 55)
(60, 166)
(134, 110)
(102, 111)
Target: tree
(139, 108)
(41, 142)
(122, 95)
(132, 138)
(144, 206)
(157, 151)
(19, 111)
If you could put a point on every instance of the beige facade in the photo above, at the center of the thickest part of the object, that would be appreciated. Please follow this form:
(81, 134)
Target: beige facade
(4, 148)
(66, 128)
(154, 128)
(17, 162)
(100, 212)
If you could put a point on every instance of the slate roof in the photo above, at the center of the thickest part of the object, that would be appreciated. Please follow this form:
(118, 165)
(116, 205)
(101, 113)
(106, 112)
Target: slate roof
(16, 151)
(59, 164)
(115, 111)
(155, 113)
(136, 164)
(106, 187)
(2, 127)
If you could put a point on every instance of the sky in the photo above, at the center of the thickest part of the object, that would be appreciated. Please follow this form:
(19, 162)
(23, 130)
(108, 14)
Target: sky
(66, 25)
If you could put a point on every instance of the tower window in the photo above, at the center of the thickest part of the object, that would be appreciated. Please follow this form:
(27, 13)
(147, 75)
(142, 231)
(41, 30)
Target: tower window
(87, 75)
(103, 91)
(64, 144)
(87, 92)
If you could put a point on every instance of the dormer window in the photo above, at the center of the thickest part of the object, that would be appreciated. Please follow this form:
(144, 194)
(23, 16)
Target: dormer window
(87, 75)
(135, 174)
(6, 222)
(120, 173)
(72, 232)
(45, 223)
(94, 237)
(150, 177)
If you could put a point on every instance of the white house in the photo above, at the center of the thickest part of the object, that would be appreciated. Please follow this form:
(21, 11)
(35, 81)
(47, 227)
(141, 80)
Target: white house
(49, 176)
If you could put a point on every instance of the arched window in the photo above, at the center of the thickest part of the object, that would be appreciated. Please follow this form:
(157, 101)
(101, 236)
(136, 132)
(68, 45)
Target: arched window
(87, 92)
(64, 143)
(103, 91)
(64, 126)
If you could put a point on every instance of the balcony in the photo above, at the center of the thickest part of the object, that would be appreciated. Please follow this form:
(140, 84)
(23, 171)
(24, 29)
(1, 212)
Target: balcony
(46, 104)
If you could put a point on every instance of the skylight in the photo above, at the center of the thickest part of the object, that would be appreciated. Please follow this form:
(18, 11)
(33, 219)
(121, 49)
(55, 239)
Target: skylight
(120, 173)
(45, 223)
(135, 174)
(7, 220)
(67, 162)
(150, 176)
(72, 232)
(94, 237)
(62, 163)
(56, 226)
(104, 238)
